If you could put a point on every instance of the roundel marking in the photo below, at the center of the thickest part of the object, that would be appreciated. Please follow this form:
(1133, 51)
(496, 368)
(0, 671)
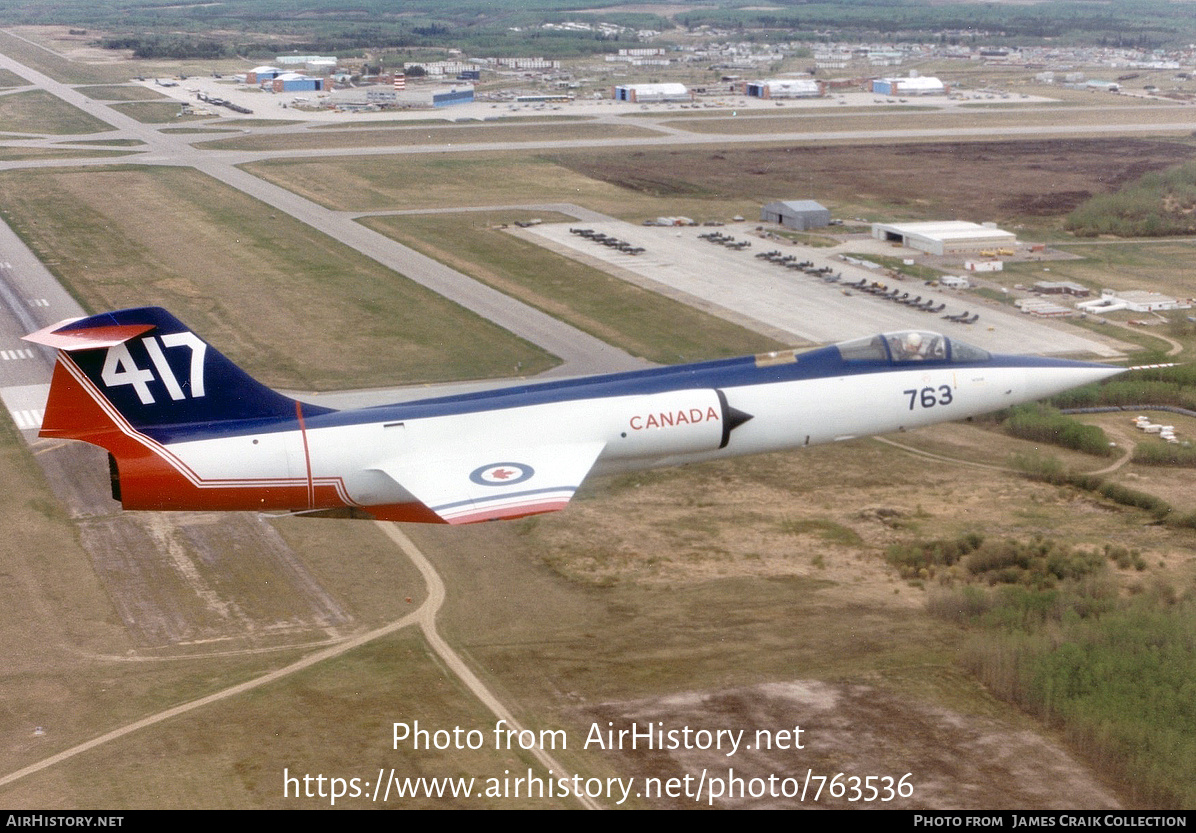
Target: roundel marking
(501, 474)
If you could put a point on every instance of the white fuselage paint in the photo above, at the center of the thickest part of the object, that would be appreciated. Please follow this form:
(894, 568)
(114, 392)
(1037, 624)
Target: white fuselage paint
(635, 429)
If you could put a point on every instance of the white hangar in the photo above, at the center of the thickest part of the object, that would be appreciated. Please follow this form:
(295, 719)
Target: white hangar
(947, 237)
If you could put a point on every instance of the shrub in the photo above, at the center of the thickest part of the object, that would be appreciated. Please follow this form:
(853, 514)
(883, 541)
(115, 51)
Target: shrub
(1158, 453)
(1044, 424)
(1160, 203)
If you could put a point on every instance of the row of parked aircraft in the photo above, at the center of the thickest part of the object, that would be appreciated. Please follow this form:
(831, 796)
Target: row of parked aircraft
(727, 240)
(791, 262)
(897, 296)
(607, 240)
(881, 290)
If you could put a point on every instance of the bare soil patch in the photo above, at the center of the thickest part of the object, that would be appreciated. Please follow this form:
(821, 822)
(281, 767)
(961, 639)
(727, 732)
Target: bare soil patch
(949, 760)
(952, 180)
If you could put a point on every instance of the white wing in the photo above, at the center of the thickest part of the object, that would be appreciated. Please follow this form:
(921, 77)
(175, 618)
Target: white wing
(491, 483)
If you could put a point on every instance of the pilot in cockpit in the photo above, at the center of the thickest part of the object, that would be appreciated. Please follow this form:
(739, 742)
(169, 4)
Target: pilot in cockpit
(913, 347)
(917, 347)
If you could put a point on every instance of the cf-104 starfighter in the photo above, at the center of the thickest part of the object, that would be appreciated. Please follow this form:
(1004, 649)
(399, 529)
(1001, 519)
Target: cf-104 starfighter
(187, 429)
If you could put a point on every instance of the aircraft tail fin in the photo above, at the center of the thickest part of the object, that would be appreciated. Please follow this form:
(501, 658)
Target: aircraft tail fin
(143, 369)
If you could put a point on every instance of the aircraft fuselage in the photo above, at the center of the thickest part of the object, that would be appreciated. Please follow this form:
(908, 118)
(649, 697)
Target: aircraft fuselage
(187, 429)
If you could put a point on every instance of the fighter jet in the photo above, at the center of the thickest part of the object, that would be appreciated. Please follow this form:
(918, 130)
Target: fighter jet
(186, 429)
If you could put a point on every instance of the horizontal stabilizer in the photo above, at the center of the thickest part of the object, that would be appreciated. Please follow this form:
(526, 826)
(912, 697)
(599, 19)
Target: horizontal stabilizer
(62, 336)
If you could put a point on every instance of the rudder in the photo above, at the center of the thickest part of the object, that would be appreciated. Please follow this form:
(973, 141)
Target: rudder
(143, 369)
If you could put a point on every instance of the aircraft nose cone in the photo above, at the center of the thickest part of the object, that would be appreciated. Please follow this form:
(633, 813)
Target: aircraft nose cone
(1052, 377)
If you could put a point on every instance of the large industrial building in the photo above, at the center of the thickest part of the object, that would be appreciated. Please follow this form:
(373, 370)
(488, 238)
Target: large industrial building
(916, 85)
(796, 214)
(651, 92)
(259, 75)
(1134, 300)
(784, 88)
(946, 238)
(283, 81)
(295, 82)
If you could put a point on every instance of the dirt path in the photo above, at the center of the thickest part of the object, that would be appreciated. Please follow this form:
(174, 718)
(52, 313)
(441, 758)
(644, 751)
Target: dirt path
(424, 617)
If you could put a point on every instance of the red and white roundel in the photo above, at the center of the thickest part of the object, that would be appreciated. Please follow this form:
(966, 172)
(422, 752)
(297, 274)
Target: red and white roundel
(501, 474)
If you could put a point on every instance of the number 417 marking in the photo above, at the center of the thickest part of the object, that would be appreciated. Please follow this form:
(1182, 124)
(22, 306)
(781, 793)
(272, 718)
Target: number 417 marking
(121, 369)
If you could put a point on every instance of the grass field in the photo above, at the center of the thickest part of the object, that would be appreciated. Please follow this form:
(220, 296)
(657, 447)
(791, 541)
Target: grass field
(210, 254)
(333, 720)
(155, 112)
(641, 322)
(1141, 264)
(49, 573)
(486, 179)
(348, 184)
(76, 59)
(121, 92)
(57, 66)
(114, 143)
(37, 111)
(19, 154)
(11, 79)
(686, 532)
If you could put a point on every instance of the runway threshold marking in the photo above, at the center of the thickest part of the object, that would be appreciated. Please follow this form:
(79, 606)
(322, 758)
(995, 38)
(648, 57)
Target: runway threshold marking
(26, 404)
(28, 420)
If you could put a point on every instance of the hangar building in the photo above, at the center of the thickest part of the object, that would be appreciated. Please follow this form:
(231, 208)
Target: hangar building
(295, 82)
(258, 75)
(917, 85)
(784, 88)
(946, 238)
(651, 92)
(796, 214)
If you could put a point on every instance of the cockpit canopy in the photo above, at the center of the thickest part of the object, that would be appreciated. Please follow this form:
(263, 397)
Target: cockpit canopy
(910, 346)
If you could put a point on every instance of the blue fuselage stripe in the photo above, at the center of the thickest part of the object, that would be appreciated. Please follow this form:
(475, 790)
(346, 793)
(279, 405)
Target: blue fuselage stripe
(725, 373)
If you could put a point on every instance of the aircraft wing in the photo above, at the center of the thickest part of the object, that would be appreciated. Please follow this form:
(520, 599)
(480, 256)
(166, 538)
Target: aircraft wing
(492, 483)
